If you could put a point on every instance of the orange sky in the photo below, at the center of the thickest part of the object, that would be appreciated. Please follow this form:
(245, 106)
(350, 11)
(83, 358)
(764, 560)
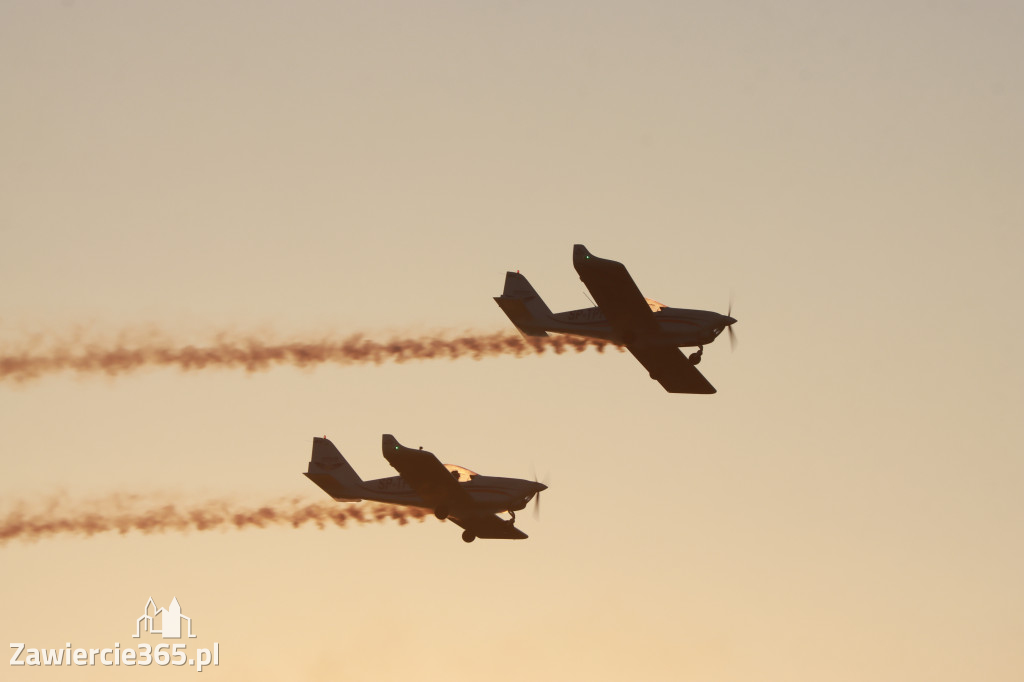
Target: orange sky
(847, 507)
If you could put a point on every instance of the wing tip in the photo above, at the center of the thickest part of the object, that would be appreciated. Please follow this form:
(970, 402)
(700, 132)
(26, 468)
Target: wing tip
(690, 391)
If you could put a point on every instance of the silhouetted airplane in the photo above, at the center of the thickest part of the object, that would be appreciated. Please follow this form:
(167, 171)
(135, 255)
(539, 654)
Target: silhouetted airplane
(651, 331)
(470, 500)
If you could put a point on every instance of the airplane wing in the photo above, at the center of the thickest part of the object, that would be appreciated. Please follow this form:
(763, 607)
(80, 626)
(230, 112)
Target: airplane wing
(615, 293)
(425, 474)
(488, 526)
(671, 368)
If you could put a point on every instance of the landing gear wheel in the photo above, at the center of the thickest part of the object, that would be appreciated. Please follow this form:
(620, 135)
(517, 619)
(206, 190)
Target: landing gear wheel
(695, 357)
(467, 536)
(441, 513)
(513, 519)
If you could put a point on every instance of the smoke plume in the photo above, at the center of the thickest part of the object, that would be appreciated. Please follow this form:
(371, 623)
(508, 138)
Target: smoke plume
(121, 514)
(253, 354)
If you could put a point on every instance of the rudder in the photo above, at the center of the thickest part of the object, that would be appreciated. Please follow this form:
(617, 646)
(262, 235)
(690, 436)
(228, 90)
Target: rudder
(523, 305)
(329, 470)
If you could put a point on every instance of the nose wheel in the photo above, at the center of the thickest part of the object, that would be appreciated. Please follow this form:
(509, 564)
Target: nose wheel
(695, 357)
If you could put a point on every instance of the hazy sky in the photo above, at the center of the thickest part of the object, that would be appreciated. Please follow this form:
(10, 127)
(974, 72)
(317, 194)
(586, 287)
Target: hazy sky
(849, 505)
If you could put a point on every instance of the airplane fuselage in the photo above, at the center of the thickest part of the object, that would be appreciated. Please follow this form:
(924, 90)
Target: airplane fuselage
(677, 326)
(490, 494)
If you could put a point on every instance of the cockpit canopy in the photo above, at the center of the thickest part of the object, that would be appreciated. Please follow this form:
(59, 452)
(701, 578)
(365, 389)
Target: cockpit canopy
(460, 474)
(655, 306)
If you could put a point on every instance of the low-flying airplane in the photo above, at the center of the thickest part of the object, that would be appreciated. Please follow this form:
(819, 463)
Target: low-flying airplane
(470, 500)
(651, 331)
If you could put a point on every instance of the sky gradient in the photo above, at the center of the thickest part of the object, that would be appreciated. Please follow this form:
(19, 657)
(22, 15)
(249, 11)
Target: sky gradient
(847, 507)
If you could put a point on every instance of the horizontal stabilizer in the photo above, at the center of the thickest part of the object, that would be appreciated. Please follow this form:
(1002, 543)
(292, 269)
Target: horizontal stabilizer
(330, 485)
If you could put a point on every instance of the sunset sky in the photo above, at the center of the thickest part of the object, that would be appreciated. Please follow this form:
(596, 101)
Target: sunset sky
(849, 506)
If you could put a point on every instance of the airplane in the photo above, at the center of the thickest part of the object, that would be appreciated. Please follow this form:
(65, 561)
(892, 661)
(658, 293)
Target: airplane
(469, 500)
(651, 331)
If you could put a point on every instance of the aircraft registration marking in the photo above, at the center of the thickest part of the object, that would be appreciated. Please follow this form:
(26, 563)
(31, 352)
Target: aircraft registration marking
(392, 484)
(586, 315)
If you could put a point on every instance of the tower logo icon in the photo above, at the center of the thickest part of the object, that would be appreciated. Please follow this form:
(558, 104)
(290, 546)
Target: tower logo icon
(170, 619)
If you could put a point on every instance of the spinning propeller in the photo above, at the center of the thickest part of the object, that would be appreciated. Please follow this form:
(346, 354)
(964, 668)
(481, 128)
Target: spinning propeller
(732, 334)
(536, 496)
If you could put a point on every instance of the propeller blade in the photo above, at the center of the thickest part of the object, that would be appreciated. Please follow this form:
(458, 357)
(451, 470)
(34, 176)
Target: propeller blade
(732, 334)
(536, 495)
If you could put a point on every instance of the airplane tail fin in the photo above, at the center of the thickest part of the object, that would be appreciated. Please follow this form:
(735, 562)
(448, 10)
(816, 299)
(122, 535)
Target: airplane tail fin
(523, 305)
(329, 470)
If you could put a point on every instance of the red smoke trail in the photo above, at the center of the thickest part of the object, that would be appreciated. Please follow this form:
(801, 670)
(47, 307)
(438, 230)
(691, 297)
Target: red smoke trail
(255, 354)
(123, 514)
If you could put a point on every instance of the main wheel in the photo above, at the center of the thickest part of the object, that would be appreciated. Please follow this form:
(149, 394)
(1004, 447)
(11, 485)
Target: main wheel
(467, 536)
(441, 513)
(695, 358)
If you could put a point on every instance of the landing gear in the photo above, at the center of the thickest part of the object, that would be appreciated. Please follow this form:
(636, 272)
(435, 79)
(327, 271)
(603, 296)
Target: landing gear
(512, 521)
(441, 513)
(695, 357)
(467, 536)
